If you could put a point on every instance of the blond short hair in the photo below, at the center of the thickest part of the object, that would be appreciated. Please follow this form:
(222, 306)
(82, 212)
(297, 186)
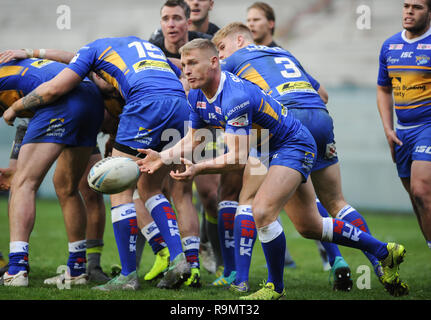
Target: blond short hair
(201, 44)
(230, 29)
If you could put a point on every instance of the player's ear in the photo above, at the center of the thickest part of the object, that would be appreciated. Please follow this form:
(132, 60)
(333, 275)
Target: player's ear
(240, 40)
(214, 61)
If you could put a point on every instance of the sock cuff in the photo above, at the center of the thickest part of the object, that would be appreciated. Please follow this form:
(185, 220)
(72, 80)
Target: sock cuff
(94, 250)
(18, 246)
(227, 204)
(150, 230)
(345, 211)
(77, 246)
(122, 212)
(154, 201)
(327, 229)
(429, 244)
(270, 232)
(244, 209)
(190, 243)
(94, 243)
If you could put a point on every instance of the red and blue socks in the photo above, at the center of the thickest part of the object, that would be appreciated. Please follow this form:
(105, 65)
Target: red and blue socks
(343, 233)
(349, 214)
(331, 249)
(152, 234)
(226, 218)
(77, 258)
(191, 250)
(125, 231)
(166, 220)
(18, 257)
(245, 234)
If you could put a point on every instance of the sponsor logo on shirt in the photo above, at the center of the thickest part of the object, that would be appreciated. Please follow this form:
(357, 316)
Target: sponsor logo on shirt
(398, 46)
(201, 105)
(424, 46)
(240, 121)
(422, 59)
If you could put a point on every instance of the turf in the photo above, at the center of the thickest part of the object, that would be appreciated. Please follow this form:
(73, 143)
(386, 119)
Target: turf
(308, 281)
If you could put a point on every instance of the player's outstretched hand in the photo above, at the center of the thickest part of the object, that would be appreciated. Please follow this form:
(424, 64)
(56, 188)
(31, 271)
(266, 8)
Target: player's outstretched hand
(151, 163)
(8, 55)
(187, 174)
(6, 175)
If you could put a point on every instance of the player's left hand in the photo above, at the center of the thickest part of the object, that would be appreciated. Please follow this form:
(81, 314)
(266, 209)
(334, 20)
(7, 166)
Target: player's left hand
(9, 116)
(151, 163)
(8, 55)
(186, 175)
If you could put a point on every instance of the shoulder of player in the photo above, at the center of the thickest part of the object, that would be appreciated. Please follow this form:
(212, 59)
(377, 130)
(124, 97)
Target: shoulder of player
(394, 39)
(157, 37)
(197, 35)
(212, 29)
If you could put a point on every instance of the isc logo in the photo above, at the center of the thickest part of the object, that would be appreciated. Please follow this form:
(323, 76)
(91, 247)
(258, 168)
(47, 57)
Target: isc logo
(423, 149)
(406, 54)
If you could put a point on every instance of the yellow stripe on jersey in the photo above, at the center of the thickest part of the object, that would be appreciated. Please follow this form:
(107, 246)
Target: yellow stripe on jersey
(412, 107)
(110, 79)
(261, 104)
(270, 111)
(104, 51)
(242, 69)
(7, 71)
(23, 73)
(410, 87)
(409, 67)
(252, 75)
(114, 58)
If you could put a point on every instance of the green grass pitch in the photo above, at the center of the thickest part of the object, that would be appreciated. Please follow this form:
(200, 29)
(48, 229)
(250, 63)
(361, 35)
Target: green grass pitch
(48, 250)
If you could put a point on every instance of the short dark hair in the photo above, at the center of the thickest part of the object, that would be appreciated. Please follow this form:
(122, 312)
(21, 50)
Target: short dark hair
(267, 10)
(178, 3)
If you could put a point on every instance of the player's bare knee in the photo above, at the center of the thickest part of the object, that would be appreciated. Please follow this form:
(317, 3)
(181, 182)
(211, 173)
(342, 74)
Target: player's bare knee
(421, 194)
(64, 186)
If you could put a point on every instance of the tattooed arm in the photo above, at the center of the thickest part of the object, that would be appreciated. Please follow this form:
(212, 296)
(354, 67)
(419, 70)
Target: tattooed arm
(46, 93)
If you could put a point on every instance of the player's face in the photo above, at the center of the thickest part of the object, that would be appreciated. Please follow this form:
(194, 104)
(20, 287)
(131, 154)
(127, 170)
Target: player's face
(199, 9)
(416, 15)
(197, 68)
(258, 24)
(227, 46)
(174, 24)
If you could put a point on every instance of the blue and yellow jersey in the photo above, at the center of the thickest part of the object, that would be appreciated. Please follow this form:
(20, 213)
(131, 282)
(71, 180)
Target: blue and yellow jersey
(20, 77)
(240, 106)
(134, 66)
(277, 72)
(405, 65)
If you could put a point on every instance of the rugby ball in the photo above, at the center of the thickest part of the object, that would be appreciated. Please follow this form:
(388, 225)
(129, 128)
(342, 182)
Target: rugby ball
(113, 175)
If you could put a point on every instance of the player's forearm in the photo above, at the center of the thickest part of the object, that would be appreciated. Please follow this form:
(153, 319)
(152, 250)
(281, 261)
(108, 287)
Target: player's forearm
(385, 106)
(40, 96)
(227, 162)
(50, 54)
(183, 149)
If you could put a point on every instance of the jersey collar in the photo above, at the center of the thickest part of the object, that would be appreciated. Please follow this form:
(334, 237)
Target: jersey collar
(426, 34)
(220, 88)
